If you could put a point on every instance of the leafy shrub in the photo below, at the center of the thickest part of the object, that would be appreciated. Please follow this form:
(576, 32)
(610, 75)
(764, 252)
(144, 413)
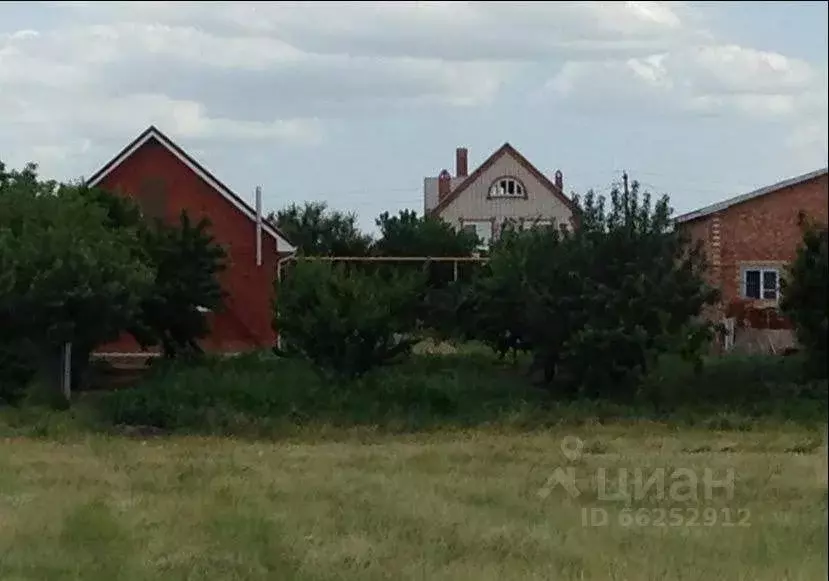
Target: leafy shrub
(16, 372)
(346, 320)
(806, 296)
(261, 392)
(187, 262)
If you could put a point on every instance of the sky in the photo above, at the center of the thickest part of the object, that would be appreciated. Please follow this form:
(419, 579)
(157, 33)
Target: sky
(355, 103)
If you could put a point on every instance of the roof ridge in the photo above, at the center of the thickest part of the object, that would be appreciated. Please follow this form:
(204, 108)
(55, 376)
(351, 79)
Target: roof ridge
(740, 198)
(487, 163)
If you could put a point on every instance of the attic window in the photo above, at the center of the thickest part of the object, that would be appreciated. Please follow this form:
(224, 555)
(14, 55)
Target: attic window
(507, 187)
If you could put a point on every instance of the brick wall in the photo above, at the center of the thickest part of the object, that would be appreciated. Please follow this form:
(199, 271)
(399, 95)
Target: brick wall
(765, 230)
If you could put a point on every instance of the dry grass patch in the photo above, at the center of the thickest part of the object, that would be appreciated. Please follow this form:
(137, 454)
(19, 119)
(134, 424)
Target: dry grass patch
(445, 506)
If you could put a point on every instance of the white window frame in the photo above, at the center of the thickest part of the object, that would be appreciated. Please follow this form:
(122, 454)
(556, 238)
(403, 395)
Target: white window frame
(499, 188)
(483, 229)
(762, 270)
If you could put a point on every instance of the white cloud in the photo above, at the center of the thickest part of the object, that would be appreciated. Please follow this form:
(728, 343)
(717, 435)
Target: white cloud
(278, 72)
(444, 30)
(241, 71)
(703, 76)
(715, 79)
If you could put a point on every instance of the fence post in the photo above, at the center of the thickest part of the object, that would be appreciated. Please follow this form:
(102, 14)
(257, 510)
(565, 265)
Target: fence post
(66, 368)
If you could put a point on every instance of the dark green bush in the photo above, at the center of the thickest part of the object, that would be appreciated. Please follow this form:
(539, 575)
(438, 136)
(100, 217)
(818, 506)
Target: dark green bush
(16, 372)
(748, 384)
(595, 306)
(234, 394)
(346, 320)
(261, 395)
(806, 297)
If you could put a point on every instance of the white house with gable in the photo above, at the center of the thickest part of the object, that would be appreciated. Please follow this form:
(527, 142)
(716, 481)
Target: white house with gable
(504, 187)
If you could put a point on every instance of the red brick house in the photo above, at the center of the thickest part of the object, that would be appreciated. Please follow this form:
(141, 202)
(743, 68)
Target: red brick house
(751, 238)
(165, 180)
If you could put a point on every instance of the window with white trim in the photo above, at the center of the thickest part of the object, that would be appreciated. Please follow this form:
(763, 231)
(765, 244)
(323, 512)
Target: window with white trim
(761, 283)
(507, 187)
(481, 228)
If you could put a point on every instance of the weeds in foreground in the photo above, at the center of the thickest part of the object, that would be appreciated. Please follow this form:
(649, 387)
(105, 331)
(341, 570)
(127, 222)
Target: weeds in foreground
(266, 394)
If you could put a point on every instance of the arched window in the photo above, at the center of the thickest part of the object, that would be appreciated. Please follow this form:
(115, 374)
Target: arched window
(507, 187)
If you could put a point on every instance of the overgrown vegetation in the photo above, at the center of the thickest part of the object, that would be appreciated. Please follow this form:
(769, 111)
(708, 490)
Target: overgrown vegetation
(64, 275)
(187, 262)
(595, 305)
(347, 322)
(602, 319)
(263, 394)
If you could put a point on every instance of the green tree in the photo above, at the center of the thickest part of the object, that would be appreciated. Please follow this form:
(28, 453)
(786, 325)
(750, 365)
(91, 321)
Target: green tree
(597, 305)
(186, 262)
(66, 276)
(347, 320)
(806, 295)
(316, 230)
(407, 234)
(410, 235)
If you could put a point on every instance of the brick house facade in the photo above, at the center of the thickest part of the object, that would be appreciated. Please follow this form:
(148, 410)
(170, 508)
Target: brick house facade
(750, 239)
(165, 180)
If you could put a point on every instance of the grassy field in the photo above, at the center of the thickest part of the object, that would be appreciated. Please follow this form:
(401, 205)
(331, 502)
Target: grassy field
(450, 505)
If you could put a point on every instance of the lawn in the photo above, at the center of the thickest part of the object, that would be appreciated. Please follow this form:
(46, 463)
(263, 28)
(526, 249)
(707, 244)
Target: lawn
(446, 505)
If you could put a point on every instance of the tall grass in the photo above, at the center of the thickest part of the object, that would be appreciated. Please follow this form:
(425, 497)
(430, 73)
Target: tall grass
(262, 393)
(427, 391)
(441, 506)
(751, 384)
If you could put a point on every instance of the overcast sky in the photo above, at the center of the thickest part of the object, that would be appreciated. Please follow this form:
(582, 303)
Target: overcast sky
(354, 104)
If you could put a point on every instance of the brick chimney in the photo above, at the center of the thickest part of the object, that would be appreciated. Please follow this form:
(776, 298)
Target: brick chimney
(559, 180)
(444, 184)
(461, 162)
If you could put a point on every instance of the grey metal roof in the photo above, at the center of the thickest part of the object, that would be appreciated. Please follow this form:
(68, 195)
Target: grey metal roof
(713, 208)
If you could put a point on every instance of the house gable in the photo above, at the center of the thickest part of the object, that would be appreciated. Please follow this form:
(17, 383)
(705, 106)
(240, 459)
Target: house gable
(152, 136)
(536, 195)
